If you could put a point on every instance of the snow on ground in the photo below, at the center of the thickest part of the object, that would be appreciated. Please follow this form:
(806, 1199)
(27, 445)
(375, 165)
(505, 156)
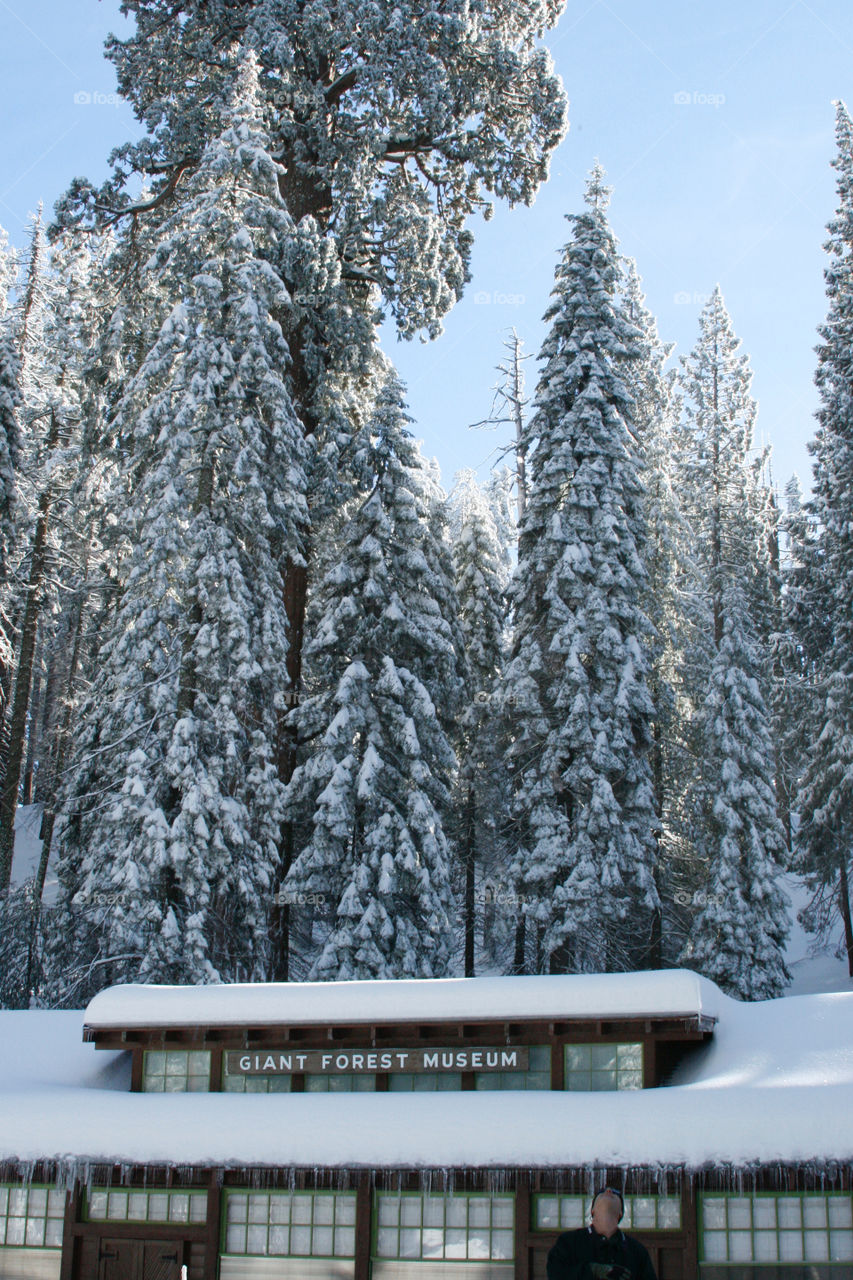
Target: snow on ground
(28, 849)
(811, 973)
(667, 992)
(776, 1084)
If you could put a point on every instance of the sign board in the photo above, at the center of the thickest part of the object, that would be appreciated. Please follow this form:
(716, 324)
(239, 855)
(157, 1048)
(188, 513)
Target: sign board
(273, 1062)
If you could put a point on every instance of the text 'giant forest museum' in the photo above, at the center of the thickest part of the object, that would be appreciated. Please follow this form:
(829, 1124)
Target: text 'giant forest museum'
(425, 1130)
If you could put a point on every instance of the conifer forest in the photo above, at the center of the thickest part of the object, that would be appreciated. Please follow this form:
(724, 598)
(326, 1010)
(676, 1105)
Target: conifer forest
(288, 709)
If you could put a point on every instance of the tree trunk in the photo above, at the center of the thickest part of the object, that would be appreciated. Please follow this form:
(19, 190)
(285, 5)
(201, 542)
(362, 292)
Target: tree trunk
(844, 904)
(24, 678)
(469, 861)
(36, 703)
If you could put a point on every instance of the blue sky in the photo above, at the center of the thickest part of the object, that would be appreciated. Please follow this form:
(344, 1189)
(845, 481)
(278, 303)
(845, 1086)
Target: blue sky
(712, 118)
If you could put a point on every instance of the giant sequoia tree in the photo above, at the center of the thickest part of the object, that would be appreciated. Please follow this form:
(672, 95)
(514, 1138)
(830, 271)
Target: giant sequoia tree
(391, 125)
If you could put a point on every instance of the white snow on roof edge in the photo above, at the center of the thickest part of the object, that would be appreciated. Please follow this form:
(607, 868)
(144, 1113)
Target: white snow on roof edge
(654, 993)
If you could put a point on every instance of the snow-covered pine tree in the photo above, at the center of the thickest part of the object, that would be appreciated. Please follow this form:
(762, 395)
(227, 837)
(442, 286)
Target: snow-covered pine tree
(479, 588)
(672, 599)
(825, 802)
(170, 823)
(727, 509)
(576, 683)
(385, 683)
(738, 936)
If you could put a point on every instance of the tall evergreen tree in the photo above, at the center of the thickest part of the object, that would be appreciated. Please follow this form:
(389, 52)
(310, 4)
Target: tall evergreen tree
(577, 678)
(825, 837)
(673, 601)
(374, 791)
(477, 557)
(738, 937)
(172, 813)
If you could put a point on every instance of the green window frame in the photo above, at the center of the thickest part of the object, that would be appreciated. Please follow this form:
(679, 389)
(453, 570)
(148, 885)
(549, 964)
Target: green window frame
(537, 1075)
(31, 1217)
(424, 1081)
(598, 1067)
(340, 1083)
(151, 1204)
(242, 1083)
(461, 1227)
(176, 1071)
(642, 1213)
(288, 1224)
(775, 1228)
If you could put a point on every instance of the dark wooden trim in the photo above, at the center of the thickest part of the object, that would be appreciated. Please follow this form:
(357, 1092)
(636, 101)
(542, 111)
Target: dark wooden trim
(213, 1227)
(363, 1226)
(522, 1229)
(72, 1213)
(137, 1062)
(406, 1034)
(690, 1224)
(558, 1064)
(216, 1069)
(650, 1064)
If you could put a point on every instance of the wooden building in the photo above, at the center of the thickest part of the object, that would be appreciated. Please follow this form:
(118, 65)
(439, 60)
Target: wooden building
(425, 1130)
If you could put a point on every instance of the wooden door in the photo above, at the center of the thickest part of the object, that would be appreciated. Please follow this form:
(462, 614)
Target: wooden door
(123, 1259)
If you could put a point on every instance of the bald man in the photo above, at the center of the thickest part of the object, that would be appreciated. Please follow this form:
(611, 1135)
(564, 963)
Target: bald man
(600, 1251)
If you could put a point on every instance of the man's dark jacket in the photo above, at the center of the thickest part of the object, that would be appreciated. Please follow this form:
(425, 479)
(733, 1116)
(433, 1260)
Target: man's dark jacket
(570, 1256)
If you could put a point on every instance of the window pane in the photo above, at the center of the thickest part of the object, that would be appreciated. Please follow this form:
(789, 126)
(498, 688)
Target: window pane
(53, 1235)
(324, 1210)
(235, 1239)
(198, 1208)
(841, 1246)
(790, 1246)
(321, 1242)
(457, 1211)
(433, 1242)
(790, 1211)
(630, 1079)
(817, 1246)
(98, 1204)
(238, 1208)
(577, 1057)
(179, 1208)
(642, 1212)
(280, 1208)
(300, 1210)
(766, 1246)
(740, 1215)
(715, 1248)
(764, 1213)
(571, 1211)
(256, 1240)
(433, 1211)
(478, 1244)
(478, 1211)
(55, 1204)
(279, 1240)
(503, 1211)
(740, 1246)
(410, 1211)
(454, 1243)
(603, 1056)
(389, 1211)
(386, 1242)
(137, 1206)
(344, 1242)
(669, 1213)
(176, 1064)
(814, 1211)
(158, 1208)
(547, 1212)
(15, 1229)
(410, 1242)
(300, 1241)
(18, 1202)
(345, 1209)
(118, 1205)
(37, 1203)
(840, 1211)
(502, 1245)
(35, 1231)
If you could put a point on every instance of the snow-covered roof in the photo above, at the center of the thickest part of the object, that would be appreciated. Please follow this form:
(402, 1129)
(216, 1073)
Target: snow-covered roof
(774, 1084)
(665, 993)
